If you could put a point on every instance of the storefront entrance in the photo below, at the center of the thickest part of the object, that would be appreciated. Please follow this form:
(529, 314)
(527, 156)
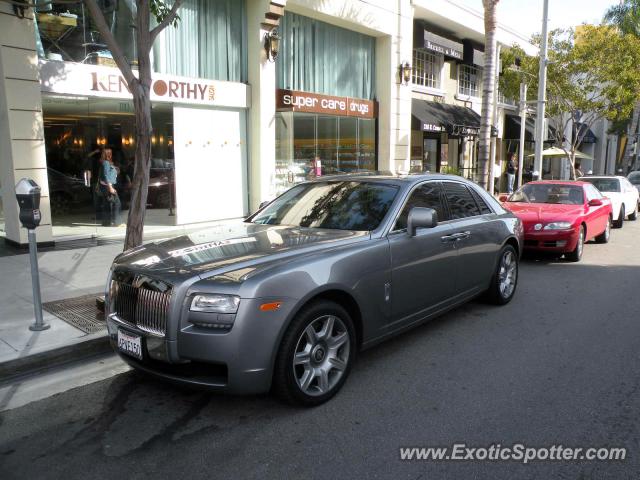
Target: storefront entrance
(79, 132)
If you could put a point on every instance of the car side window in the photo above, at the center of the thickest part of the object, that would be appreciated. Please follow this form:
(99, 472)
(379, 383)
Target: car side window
(460, 200)
(428, 195)
(592, 192)
(484, 208)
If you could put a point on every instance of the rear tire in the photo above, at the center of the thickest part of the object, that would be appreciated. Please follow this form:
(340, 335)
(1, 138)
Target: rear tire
(576, 254)
(606, 235)
(633, 216)
(315, 355)
(618, 223)
(505, 278)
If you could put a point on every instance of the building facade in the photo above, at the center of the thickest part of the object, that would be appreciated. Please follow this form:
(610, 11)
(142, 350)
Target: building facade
(234, 126)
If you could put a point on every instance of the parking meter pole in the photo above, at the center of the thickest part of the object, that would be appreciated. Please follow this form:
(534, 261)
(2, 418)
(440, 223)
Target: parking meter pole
(39, 324)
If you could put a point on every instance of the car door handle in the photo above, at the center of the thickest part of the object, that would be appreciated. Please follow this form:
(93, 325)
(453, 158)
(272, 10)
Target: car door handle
(461, 235)
(455, 236)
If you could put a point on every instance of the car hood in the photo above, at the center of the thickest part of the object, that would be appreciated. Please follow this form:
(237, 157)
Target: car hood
(231, 247)
(544, 212)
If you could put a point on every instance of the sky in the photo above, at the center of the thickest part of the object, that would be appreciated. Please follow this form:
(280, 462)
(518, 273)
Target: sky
(526, 15)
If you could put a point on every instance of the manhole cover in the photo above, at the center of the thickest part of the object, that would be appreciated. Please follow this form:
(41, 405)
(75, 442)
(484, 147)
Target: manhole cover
(81, 312)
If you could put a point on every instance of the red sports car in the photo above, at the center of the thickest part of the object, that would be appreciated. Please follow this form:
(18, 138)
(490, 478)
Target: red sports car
(560, 216)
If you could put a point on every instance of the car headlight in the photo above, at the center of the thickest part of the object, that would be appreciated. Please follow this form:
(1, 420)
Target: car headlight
(558, 226)
(215, 303)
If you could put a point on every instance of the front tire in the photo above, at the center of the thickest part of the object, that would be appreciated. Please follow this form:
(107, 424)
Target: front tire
(505, 279)
(576, 254)
(316, 354)
(606, 235)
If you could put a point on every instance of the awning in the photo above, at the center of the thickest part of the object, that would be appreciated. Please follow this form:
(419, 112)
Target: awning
(441, 117)
(512, 128)
(589, 136)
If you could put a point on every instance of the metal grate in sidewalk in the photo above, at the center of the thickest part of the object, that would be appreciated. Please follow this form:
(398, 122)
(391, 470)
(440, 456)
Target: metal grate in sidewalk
(81, 312)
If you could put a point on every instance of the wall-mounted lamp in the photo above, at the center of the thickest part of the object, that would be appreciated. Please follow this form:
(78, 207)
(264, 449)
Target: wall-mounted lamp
(405, 72)
(272, 44)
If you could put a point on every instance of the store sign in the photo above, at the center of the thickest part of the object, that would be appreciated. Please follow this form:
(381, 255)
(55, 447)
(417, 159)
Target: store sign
(430, 127)
(101, 81)
(296, 101)
(446, 47)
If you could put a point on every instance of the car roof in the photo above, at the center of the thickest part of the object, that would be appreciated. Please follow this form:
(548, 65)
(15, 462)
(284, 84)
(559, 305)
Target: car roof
(389, 178)
(586, 179)
(557, 182)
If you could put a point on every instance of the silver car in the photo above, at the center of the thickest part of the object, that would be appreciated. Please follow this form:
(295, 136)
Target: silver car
(286, 299)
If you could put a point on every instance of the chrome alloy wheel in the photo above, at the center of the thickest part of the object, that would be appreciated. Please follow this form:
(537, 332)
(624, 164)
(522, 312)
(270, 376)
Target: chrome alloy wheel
(321, 355)
(580, 245)
(508, 274)
(607, 231)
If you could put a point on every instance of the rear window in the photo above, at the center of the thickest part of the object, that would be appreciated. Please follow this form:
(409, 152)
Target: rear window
(604, 184)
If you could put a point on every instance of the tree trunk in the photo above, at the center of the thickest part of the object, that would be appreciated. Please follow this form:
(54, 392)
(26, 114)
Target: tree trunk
(488, 90)
(142, 107)
(140, 183)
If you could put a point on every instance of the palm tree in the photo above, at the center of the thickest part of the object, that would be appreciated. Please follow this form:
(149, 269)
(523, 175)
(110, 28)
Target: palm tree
(488, 89)
(626, 17)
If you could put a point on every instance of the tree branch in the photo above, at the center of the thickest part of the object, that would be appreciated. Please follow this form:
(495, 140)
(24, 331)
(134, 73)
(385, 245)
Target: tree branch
(116, 51)
(166, 21)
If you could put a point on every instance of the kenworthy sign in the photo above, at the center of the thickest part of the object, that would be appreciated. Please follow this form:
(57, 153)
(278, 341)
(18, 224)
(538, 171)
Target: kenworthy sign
(296, 101)
(100, 81)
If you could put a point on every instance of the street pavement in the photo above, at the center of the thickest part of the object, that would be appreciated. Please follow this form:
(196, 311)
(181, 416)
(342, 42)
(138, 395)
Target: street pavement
(558, 365)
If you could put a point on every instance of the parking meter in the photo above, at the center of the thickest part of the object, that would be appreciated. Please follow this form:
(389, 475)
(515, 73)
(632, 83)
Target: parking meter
(28, 196)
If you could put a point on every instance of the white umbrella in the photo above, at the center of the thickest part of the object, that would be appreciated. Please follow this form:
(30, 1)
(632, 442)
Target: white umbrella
(558, 152)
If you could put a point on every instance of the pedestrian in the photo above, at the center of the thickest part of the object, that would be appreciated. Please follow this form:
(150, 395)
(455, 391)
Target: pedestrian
(108, 182)
(578, 171)
(512, 168)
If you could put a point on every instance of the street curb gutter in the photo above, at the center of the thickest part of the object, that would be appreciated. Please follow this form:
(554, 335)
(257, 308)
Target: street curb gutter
(53, 358)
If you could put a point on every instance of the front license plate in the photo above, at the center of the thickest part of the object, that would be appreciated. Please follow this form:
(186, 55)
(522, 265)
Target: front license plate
(130, 344)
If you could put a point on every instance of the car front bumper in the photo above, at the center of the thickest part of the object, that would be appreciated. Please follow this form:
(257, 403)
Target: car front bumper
(236, 361)
(551, 240)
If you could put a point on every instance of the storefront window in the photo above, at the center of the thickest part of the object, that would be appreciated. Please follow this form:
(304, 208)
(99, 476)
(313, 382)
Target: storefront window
(308, 145)
(67, 32)
(427, 68)
(469, 78)
(77, 132)
(209, 42)
(318, 57)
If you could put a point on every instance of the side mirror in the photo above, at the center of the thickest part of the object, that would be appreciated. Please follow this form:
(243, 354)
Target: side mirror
(420, 217)
(503, 197)
(596, 202)
(263, 204)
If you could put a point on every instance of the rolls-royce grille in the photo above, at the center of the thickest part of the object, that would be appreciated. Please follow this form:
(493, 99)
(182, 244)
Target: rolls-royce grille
(141, 307)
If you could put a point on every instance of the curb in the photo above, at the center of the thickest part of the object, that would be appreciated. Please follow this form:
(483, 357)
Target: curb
(53, 358)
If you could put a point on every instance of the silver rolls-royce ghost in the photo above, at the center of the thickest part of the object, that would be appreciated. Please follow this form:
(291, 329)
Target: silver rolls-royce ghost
(285, 299)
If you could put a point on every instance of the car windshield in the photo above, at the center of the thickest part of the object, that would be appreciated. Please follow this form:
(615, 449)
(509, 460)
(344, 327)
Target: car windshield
(339, 205)
(549, 193)
(604, 184)
(634, 177)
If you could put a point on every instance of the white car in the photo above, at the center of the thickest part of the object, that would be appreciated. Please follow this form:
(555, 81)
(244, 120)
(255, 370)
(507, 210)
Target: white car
(623, 195)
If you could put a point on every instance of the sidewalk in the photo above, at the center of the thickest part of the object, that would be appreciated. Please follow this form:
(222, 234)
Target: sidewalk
(63, 274)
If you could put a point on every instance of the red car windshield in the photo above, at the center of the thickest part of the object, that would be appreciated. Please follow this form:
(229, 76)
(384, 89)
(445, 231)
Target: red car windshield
(549, 193)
